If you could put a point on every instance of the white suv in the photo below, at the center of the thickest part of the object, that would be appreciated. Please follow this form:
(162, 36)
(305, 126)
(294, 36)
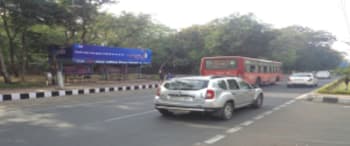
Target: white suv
(214, 94)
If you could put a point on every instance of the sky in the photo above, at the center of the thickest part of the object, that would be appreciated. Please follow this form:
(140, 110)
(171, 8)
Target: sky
(324, 15)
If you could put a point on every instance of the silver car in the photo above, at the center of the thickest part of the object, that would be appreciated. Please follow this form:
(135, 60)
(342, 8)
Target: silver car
(307, 79)
(214, 94)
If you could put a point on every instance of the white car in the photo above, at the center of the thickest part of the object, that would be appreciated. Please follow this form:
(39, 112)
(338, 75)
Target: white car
(323, 74)
(307, 79)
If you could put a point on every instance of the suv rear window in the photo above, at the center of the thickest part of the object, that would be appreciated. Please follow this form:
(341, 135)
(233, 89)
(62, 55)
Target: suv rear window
(186, 84)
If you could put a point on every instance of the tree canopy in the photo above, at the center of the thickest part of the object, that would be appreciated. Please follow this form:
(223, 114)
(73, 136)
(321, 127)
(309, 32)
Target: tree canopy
(28, 28)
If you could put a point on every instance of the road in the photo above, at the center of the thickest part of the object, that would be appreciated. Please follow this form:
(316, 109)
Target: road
(129, 119)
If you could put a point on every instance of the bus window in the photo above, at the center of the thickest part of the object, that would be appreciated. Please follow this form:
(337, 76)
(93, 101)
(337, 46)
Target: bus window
(247, 67)
(265, 69)
(252, 68)
(220, 64)
(270, 69)
(276, 67)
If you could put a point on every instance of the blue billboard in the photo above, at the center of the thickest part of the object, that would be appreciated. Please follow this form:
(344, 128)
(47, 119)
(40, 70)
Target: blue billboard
(108, 55)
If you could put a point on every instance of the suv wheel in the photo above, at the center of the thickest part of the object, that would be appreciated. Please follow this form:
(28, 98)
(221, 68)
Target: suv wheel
(165, 113)
(258, 102)
(226, 112)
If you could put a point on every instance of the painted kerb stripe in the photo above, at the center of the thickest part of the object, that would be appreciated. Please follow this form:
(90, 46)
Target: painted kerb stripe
(54, 93)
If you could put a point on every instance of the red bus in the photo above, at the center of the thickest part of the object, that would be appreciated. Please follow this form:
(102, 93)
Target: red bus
(253, 70)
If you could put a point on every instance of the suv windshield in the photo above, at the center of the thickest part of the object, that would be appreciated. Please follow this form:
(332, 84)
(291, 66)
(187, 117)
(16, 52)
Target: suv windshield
(186, 84)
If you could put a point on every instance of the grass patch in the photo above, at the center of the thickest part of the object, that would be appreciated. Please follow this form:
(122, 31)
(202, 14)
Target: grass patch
(33, 81)
(21, 85)
(341, 89)
(30, 81)
(336, 87)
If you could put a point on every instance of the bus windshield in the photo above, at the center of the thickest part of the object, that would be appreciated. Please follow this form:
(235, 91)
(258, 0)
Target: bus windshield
(211, 64)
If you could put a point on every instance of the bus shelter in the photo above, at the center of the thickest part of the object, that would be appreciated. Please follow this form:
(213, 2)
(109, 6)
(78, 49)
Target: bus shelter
(83, 61)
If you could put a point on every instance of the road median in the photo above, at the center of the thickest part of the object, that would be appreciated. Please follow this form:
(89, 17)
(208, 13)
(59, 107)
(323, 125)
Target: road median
(334, 92)
(47, 93)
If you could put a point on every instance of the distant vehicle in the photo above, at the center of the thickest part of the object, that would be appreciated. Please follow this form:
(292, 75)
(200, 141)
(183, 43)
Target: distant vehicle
(254, 71)
(323, 74)
(307, 79)
(217, 95)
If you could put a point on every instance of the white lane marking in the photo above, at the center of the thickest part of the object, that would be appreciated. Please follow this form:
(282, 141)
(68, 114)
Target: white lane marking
(302, 96)
(346, 106)
(259, 117)
(129, 116)
(268, 113)
(214, 139)
(200, 125)
(290, 102)
(124, 107)
(84, 104)
(283, 105)
(247, 123)
(234, 129)
(197, 144)
(276, 108)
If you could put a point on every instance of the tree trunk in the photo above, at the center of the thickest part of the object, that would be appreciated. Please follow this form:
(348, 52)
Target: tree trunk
(12, 58)
(11, 43)
(3, 68)
(83, 35)
(24, 56)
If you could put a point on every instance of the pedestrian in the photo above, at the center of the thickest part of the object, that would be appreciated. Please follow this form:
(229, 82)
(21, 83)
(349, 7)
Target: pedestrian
(169, 76)
(48, 78)
(161, 74)
(347, 82)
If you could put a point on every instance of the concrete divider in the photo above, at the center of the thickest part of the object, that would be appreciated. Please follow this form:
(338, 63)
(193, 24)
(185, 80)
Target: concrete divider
(328, 98)
(70, 92)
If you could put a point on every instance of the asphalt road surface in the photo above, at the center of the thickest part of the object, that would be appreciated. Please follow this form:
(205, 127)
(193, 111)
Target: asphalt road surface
(129, 119)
